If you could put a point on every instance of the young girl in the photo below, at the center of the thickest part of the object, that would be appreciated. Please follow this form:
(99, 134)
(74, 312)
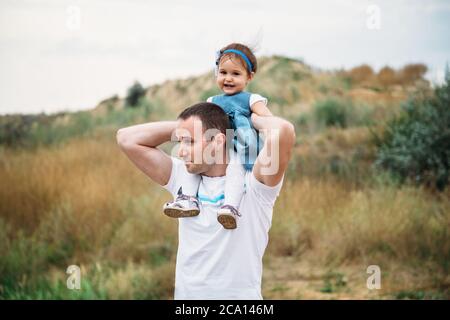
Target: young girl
(235, 67)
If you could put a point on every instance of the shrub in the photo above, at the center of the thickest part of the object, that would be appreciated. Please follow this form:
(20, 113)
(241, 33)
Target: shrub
(361, 74)
(411, 73)
(335, 112)
(387, 76)
(14, 129)
(416, 144)
(134, 94)
(331, 112)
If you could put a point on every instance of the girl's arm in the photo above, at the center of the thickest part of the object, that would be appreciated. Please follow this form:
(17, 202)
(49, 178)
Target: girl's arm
(261, 109)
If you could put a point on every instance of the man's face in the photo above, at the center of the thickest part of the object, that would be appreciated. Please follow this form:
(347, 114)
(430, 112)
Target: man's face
(195, 147)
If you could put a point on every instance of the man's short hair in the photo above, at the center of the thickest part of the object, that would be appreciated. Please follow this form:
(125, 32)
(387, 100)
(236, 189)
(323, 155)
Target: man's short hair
(211, 115)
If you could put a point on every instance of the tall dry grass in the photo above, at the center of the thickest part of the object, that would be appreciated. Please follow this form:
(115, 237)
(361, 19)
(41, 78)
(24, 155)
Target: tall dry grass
(78, 204)
(335, 223)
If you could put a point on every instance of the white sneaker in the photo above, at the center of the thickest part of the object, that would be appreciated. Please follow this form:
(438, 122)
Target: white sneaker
(183, 206)
(227, 216)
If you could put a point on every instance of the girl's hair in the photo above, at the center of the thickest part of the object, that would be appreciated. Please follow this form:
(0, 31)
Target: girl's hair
(238, 46)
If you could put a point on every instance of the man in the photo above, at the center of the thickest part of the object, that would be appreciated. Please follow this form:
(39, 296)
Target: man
(213, 262)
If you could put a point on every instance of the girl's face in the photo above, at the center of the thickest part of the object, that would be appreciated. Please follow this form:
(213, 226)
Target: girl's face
(232, 77)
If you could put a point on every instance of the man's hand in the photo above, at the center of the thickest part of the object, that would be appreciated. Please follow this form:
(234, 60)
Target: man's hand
(270, 165)
(140, 144)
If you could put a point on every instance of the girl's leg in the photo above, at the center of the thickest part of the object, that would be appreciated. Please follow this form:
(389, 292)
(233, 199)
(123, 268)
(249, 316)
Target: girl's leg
(235, 180)
(234, 190)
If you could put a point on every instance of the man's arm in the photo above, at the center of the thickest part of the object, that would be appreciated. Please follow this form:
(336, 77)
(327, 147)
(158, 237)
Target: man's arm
(270, 165)
(140, 144)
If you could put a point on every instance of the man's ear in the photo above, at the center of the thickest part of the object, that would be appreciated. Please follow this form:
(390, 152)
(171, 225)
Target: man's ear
(220, 139)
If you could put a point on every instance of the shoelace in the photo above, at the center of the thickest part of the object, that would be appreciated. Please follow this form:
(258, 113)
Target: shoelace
(186, 197)
(233, 210)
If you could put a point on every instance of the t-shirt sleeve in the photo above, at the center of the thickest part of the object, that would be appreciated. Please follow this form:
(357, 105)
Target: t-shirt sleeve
(254, 97)
(177, 169)
(209, 99)
(266, 195)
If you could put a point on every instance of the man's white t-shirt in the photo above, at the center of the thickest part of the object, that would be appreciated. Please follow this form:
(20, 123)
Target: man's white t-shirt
(216, 263)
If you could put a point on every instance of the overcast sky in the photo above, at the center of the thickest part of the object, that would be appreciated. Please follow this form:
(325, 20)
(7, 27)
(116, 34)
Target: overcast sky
(68, 55)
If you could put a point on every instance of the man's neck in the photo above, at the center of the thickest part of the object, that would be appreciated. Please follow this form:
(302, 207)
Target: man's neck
(217, 170)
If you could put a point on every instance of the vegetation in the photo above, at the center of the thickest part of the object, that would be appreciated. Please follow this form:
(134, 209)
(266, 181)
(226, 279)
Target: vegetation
(416, 144)
(69, 196)
(134, 94)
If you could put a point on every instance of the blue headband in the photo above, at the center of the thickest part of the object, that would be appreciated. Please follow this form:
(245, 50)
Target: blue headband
(238, 52)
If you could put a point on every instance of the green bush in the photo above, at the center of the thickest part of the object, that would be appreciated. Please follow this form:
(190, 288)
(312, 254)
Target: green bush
(416, 144)
(335, 112)
(332, 112)
(134, 94)
(14, 129)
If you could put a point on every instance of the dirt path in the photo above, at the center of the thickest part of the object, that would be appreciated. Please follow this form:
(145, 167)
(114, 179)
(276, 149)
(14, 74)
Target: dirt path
(288, 278)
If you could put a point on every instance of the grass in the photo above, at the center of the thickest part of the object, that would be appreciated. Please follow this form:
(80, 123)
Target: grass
(75, 204)
(382, 222)
(69, 196)
(333, 281)
(83, 203)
